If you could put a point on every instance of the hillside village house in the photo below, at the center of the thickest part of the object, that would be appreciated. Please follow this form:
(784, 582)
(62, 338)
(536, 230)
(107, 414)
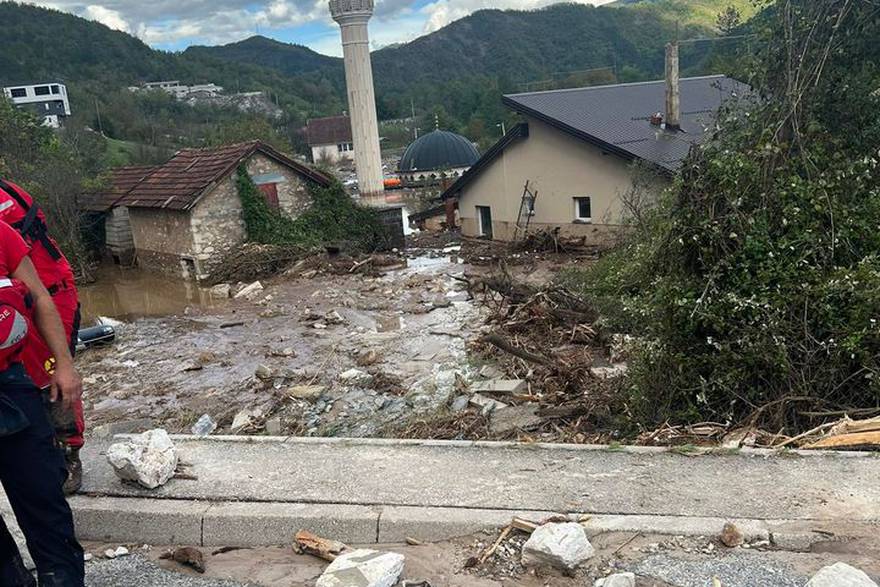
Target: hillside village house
(576, 148)
(185, 215)
(47, 101)
(330, 139)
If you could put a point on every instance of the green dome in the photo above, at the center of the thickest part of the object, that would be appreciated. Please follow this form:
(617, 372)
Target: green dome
(437, 151)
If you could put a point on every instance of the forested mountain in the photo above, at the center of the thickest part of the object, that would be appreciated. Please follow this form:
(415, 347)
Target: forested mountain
(288, 58)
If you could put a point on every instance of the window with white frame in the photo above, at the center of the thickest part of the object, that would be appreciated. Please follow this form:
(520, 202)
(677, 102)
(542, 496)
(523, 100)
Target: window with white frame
(583, 209)
(18, 93)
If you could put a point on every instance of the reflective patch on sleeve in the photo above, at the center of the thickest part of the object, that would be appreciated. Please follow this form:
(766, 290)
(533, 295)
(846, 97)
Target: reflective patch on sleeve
(13, 328)
(6, 206)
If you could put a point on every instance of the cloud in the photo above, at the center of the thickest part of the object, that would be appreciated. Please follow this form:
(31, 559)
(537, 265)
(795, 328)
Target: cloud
(179, 23)
(107, 17)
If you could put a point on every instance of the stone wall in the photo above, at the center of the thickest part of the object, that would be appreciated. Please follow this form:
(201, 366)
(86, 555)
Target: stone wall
(293, 191)
(119, 239)
(217, 225)
(161, 238)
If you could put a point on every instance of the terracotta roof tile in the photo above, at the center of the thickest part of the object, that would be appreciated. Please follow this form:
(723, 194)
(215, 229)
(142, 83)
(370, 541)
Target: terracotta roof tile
(120, 181)
(180, 182)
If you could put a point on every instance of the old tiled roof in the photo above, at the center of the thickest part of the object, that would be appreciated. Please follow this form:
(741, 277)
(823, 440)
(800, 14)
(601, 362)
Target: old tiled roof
(617, 117)
(328, 131)
(118, 183)
(179, 183)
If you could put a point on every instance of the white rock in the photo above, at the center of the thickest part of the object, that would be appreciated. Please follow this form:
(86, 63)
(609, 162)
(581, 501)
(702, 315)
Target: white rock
(841, 575)
(562, 545)
(618, 370)
(264, 372)
(244, 418)
(221, 290)
(363, 568)
(110, 553)
(486, 404)
(355, 377)
(87, 556)
(121, 551)
(250, 292)
(617, 580)
(149, 459)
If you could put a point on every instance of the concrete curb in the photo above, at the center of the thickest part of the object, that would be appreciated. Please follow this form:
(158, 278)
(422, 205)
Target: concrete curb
(491, 444)
(248, 524)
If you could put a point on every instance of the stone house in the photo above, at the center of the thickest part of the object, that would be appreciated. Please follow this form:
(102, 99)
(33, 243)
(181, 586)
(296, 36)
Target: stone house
(576, 149)
(185, 215)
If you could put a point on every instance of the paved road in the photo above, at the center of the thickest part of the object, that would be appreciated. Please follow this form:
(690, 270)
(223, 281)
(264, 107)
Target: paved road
(136, 571)
(501, 476)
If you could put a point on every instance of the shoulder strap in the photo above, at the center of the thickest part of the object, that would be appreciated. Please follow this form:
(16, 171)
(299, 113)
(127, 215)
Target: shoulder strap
(27, 223)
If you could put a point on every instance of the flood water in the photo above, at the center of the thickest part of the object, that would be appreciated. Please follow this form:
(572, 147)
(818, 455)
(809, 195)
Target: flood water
(128, 294)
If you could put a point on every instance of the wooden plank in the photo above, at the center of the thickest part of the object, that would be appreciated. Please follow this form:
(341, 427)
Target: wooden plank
(858, 439)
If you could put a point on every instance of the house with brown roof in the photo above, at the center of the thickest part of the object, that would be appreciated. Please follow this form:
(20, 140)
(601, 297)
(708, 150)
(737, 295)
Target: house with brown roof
(330, 139)
(185, 215)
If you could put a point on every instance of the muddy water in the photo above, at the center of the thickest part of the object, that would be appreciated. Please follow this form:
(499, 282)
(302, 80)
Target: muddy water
(128, 294)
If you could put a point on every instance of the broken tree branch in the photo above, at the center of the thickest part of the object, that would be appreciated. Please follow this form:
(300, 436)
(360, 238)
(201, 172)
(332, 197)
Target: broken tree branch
(496, 340)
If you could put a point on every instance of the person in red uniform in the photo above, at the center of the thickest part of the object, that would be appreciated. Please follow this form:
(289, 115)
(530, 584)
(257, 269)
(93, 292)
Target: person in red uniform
(32, 468)
(18, 210)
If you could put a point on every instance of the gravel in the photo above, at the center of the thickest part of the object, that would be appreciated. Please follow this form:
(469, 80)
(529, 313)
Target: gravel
(137, 571)
(735, 570)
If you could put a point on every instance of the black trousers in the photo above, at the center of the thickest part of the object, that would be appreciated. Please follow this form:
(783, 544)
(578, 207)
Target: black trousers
(32, 471)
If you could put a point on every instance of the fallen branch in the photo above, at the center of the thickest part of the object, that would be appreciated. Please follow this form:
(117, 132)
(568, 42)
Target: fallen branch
(497, 341)
(491, 550)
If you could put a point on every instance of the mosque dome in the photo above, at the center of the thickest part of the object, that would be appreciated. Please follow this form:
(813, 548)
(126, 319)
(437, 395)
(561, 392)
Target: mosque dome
(438, 150)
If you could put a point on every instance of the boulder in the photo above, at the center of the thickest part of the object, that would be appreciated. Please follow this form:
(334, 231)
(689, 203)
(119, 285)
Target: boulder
(148, 459)
(731, 537)
(244, 418)
(363, 568)
(840, 575)
(204, 426)
(250, 292)
(617, 580)
(560, 545)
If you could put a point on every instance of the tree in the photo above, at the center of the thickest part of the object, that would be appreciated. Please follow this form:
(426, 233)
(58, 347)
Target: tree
(728, 20)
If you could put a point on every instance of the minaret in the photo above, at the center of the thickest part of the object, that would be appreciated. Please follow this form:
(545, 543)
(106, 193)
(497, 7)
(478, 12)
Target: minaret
(352, 16)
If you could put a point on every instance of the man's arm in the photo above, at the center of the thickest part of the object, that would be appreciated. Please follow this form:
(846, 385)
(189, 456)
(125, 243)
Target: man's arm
(65, 382)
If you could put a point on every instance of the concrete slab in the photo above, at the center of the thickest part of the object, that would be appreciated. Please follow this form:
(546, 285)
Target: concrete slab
(274, 524)
(428, 524)
(142, 521)
(752, 530)
(749, 484)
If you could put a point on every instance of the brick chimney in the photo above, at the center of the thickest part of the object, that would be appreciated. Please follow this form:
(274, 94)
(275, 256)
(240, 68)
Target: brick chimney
(673, 91)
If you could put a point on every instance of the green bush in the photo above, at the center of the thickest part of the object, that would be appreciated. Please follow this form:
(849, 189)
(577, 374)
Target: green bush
(332, 218)
(757, 281)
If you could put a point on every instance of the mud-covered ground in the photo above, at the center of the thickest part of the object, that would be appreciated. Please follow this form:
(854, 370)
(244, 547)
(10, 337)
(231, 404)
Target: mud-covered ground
(657, 561)
(319, 354)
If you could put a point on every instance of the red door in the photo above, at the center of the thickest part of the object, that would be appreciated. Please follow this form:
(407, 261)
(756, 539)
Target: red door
(270, 191)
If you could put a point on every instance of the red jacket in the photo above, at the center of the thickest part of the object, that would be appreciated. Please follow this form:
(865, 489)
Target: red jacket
(18, 210)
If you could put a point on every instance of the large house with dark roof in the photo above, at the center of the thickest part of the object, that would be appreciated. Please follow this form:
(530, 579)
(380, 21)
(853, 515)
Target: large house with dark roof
(185, 215)
(576, 149)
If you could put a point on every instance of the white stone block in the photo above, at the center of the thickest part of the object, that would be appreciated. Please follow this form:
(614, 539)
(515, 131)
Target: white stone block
(363, 568)
(841, 575)
(149, 459)
(617, 580)
(560, 545)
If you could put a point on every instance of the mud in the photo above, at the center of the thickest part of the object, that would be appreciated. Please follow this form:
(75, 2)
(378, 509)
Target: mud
(407, 329)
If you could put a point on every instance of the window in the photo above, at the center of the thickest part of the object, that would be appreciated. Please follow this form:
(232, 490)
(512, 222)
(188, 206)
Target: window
(56, 90)
(582, 209)
(41, 90)
(344, 147)
(18, 93)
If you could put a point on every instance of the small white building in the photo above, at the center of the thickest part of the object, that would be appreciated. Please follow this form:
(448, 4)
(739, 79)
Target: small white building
(330, 139)
(46, 100)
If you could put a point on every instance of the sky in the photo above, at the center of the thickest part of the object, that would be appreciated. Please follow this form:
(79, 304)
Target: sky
(176, 24)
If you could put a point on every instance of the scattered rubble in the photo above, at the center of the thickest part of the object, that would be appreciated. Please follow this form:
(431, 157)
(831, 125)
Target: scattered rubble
(250, 292)
(363, 568)
(561, 545)
(245, 419)
(841, 575)
(149, 459)
(117, 552)
(355, 377)
(511, 418)
(221, 290)
(486, 404)
(500, 386)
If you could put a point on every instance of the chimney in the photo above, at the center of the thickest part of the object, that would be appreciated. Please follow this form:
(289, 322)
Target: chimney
(673, 92)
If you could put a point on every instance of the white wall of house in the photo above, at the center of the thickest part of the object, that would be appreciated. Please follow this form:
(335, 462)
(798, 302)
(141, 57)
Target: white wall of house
(561, 169)
(333, 153)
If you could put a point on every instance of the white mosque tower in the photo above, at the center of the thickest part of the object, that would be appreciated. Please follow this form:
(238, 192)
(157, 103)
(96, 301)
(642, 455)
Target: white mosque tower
(352, 16)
